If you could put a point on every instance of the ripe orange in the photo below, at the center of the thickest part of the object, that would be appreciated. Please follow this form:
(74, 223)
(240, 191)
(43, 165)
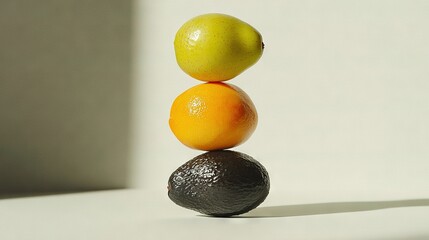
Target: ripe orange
(213, 116)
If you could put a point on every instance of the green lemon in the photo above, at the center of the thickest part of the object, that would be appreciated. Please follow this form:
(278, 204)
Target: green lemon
(217, 47)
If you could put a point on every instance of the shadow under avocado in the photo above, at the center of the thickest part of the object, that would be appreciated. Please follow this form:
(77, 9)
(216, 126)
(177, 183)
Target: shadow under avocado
(330, 208)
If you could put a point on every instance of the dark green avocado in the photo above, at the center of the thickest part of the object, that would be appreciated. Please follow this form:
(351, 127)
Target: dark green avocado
(219, 183)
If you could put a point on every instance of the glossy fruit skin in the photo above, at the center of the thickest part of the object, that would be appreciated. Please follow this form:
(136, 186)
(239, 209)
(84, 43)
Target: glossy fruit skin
(217, 47)
(213, 116)
(219, 183)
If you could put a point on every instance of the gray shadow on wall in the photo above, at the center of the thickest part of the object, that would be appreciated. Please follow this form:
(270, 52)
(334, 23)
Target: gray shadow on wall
(331, 208)
(65, 84)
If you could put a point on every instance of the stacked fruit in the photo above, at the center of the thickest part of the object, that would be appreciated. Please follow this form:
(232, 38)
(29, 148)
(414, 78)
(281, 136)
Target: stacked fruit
(215, 116)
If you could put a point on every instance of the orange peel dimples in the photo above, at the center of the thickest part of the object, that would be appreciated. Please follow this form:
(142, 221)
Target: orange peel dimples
(213, 116)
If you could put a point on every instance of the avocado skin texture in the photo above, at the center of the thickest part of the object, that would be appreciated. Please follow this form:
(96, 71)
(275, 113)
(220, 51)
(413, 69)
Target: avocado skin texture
(219, 183)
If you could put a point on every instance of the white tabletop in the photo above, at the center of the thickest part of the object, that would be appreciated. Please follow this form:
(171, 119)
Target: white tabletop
(142, 214)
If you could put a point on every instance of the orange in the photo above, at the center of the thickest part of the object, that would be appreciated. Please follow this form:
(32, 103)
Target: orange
(213, 116)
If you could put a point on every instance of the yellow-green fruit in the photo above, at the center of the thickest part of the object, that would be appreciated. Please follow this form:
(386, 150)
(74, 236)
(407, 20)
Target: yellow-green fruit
(217, 47)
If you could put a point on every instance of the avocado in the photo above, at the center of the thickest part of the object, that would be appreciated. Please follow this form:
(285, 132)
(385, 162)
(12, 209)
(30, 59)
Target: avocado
(219, 183)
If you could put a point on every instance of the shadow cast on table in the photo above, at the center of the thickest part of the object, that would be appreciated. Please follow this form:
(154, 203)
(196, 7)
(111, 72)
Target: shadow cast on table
(330, 208)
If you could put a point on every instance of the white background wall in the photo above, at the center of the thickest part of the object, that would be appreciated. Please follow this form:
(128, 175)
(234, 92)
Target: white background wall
(341, 92)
